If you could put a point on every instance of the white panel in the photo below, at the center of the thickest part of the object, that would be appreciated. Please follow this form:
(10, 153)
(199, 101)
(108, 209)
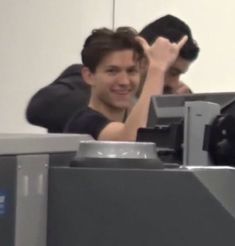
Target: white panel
(38, 40)
(31, 206)
(212, 23)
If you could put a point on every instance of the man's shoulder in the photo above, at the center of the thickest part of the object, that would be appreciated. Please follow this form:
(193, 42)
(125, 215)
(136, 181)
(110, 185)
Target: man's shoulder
(87, 121)
(87, 113)
(74, 69)
(71, 77)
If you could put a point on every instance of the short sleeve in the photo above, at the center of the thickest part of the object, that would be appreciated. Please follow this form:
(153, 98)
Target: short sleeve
(87, 122)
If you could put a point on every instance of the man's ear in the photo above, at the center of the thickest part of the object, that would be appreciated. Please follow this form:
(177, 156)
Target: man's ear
(87, 75)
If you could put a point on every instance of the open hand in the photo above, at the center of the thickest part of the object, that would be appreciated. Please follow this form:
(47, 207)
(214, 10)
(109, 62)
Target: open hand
(162, 52)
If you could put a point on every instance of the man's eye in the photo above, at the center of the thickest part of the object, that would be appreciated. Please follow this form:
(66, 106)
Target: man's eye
(133, 71)
(111, 71)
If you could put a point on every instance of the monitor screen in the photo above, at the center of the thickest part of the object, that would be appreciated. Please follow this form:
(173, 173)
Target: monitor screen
(170, 108)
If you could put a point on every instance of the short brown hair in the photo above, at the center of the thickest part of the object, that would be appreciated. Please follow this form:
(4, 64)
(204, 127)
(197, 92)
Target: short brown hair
(104, 41)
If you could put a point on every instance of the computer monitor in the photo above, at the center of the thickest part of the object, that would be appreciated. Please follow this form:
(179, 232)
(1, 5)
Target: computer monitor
(170, 108)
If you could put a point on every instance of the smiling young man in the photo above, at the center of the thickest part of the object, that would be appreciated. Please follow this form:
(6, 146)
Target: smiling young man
(112, 64)
(54, 104)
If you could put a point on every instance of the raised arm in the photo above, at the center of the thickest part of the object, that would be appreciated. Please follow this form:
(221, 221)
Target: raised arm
(160, 57)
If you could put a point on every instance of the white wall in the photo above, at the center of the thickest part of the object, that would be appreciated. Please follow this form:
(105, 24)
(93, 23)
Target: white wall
(40, 38)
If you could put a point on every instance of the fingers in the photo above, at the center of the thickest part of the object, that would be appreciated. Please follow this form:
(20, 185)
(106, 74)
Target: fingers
(146, 46)
(143, 42)
(182, 41)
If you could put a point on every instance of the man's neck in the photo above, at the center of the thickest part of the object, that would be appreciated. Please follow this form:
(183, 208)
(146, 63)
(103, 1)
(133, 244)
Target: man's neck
(111, 113)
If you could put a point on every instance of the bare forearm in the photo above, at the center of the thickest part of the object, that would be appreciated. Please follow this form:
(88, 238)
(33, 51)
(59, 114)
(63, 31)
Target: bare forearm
(160, 57)
(139, 114)
(138, 117)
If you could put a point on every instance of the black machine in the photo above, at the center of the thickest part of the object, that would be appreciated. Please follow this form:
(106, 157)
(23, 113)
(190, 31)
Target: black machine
(170, 120)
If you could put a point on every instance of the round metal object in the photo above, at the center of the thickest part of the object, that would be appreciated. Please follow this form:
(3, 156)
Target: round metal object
(115, 149)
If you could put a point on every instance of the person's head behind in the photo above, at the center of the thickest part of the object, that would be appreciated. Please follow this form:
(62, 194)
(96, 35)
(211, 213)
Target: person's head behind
(174, 29)
(111, 61)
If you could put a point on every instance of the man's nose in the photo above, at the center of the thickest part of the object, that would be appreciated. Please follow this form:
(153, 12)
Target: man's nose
(173, 80)
(124, 79)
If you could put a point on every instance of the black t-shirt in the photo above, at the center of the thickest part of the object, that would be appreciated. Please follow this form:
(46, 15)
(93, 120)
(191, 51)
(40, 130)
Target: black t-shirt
(87, 121)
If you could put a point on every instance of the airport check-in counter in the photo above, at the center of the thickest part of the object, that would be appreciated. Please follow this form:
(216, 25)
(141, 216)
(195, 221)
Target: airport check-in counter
(108, 201)
(134, 203)
(24, 162)
(106, 206)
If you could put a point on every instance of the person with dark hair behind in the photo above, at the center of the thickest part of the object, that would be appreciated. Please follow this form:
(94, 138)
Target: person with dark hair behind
(53, 105)
(173, 29)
